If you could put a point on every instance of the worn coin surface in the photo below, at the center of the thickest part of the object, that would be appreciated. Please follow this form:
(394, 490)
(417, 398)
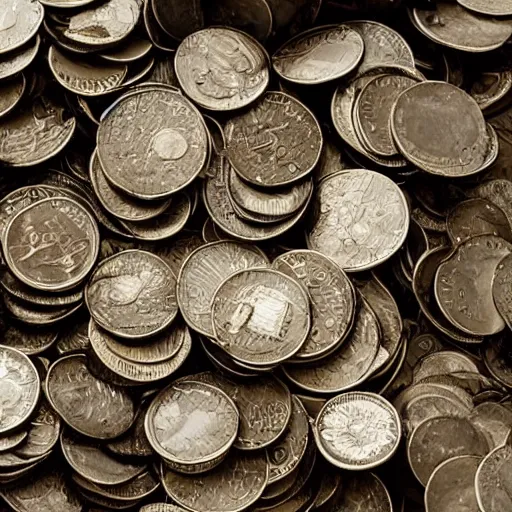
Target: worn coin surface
(443, 362)
(493, 420)
(261, 316)
(276, 142)
(19, 22)
(501, 290)
(132, 294)
(360, 219)
(27, 340)
(11, 92)
(499, 8)
(332, 299)
(20, 385)
(204, 270)
(10, 441)
(497, 356)
(222, 68)
(91, 406)
(18, 60)
(178, 19)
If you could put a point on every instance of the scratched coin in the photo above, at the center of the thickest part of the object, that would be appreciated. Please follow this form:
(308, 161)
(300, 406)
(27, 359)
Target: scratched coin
(360, 219)
(319, 55)
(499, 8)
(206, 58)
(331, 295)
(28, 340)
(11, 92)
(20, 59)
(91, 406)
(501, 290)
(493, 420)
(132, 294)
(152, 163)
(51, 245)
(276, 142)
(443, 362)
(202, 273)
(19, 22)
(260, 316)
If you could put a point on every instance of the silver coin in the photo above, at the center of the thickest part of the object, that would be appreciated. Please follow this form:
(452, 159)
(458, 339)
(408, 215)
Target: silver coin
(73, 340)
(494, 421)
(499, 8)
(20, 59)
(29, 341)
(20, 22)
(161, 507)
(10, 441)
(137, 48)
(11, 92)
(442, 362)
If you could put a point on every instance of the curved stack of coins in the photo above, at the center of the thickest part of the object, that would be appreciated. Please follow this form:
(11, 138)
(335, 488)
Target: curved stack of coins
(256, 255)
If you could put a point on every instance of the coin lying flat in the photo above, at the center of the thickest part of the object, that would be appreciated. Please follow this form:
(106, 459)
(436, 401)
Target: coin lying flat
(358, 431)
(20, 22)
(91, 406)
(132, 294)
(499, 8)
(360, 219)
(260, 316)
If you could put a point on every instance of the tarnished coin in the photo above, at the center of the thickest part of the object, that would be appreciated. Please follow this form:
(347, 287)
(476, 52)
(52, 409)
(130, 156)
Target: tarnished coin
(74, 339)
(463, 285)
(360, 219)
(501, 290)
(497, 356)
(161, 507)
(202, 273)
(137, 48)
(358, 431)
(11, 92)
(178, 19)
(452, 485)
(438, 439)
(499, 8)
(191, 423)
(20, 387)
(65, 4)
(276, 142)
(152, 164)
(494, 421)
(132, 294)
(51, 245)
(91, 406)
(319, 55)
(441, 363)
(221, 68)
(332, 299)
(18, 60)
(232, 486)
(27, 340)
(260, 316)
(10, 441)
(488, 88)
(20, 21)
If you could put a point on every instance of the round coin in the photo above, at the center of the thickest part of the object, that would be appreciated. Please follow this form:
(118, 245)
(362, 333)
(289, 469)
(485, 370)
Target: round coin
(18, 60)
(499, 8)
(498, 359)
(11, 92)
(20, 21)
(28, 340)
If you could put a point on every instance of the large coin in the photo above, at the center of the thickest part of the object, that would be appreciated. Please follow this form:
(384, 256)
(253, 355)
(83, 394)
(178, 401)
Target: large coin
(499, 8)
(132, 294)
(91, 406)
(202, 273)
(358, 431)
(160, 150)
(221, 68)
(493, 420)
(443, 362)
(276, 142)
(332, 299)
(261, 316)
(19, 22)
(360, 219)
(52, 245)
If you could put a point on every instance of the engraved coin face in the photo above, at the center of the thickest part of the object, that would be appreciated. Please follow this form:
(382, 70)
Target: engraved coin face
(261, 316)
(278, 141)
(358, 430)
(11, 92)
(152, 143)
(331, 294)
(19, 21)
(132, 294)
(51, 245)
(27, 340)
(501, 290)
(20, 386)
(91, 406)
(360, 219)
(221, 68)
(191, 422)
(202, 273)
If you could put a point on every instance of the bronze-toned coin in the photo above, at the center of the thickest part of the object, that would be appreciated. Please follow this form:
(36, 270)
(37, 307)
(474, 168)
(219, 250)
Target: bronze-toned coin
(260, 316)
(360, 219)
(18, 60)
(319, 55)
(87, 404)
(204, 270)
(51, 245)
(438, 439)
(94, 464)
(357, 430)
(202, 59)
(348, 366)
(20, 22)
(498, 359)
(28, 340)
(20, 386)
(494, 421)
(441, 363)
(134, 50)
(10, 441)
(452, 485)
(463, 285)
(260, 143)
(499, 8)
(174, 150)
(11, 92)
(132, 294)
(232, 486)
(332, 299)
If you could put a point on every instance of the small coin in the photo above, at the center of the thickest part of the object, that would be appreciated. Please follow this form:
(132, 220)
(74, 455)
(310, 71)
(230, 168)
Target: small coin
(131, 51)
(90, 406)
(498, 359)
(11, 92)
(20, 386)
(29, 341)
(10, 441)
(360, 219)
(65, 4)
(441, 363)
(132, 294)
(161, 507)
(20, 59)
(21, 21)
(260, 316)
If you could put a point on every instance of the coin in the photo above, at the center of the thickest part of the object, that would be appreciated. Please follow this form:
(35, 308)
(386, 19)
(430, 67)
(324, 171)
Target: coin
(494, 421)
(260, 316)
(360, 219)
(10, 441)
(260, 143)
(132, 294)
(73, 340)
(178, 20)
(332, 299)
(202, 273)
(200, 73)
(441, 363)
(27, 340)
(20, 23)
(501, 8)
(498, 359)
(161, 507)
(11, 92)
(19, 60)
(137, 48)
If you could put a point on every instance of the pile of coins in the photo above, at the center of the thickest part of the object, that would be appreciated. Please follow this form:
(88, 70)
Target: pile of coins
(255, 256)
